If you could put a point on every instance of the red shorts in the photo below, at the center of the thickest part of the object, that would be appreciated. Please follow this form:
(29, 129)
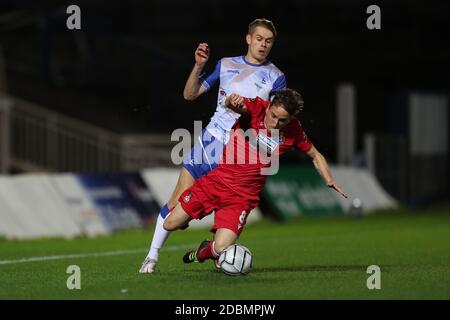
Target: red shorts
(207, 195)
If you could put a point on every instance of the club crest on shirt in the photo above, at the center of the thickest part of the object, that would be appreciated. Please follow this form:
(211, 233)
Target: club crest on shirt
(187, 197)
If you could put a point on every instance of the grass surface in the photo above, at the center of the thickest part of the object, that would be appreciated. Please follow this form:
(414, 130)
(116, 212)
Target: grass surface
(323, 258)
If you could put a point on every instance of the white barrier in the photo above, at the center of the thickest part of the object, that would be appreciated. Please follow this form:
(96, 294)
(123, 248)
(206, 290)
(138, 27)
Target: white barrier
(11, 224)
(360, 184)
(32, 208)
(163, 180)
(79, 205)
(38, 205)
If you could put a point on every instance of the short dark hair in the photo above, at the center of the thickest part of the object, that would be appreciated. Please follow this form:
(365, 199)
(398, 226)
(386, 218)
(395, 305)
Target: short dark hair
(290, 100)
(262, 23)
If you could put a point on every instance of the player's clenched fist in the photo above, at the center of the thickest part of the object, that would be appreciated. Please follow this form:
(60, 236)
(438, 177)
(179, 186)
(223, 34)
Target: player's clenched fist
(202, 54)
(234, 101)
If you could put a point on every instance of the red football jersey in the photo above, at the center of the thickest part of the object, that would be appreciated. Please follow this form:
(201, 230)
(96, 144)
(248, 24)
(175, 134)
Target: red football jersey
(251, 150)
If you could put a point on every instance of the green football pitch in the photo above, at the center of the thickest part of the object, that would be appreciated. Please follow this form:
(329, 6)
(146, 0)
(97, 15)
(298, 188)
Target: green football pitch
(306, 258)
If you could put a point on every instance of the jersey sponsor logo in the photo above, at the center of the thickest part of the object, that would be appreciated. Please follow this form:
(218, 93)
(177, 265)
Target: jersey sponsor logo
(187, 198)
(233, 71)
(269, 143)
(264, 144)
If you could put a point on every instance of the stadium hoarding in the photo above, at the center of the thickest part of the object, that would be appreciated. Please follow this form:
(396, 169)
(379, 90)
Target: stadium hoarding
(362, 187)
(299, 190)
(122, 199)
(78, 204)
(30, 207)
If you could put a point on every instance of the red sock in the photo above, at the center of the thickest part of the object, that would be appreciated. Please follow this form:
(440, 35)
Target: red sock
(207, 252)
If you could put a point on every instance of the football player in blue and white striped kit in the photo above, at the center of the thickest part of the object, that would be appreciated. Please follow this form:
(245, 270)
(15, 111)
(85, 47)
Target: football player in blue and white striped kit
(248, 76)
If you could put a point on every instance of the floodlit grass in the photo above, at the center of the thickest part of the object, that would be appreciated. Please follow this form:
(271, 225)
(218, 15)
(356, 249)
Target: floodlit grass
(323, 258)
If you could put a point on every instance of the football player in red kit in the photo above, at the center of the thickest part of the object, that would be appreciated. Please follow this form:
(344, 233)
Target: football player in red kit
(266, 130)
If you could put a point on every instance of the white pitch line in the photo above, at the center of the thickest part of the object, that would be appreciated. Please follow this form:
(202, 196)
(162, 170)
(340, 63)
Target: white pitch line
(93, 254)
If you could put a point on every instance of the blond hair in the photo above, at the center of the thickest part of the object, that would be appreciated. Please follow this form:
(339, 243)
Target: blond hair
(262, 23)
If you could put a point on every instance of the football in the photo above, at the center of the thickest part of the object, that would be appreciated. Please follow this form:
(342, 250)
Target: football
(236, 260)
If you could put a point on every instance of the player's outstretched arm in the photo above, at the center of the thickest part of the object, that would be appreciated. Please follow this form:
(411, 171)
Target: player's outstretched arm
(236, 103)
(193, 87)
(322, 167)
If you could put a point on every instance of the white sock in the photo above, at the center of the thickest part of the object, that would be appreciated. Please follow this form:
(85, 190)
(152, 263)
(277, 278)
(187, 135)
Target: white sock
(159, 237)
